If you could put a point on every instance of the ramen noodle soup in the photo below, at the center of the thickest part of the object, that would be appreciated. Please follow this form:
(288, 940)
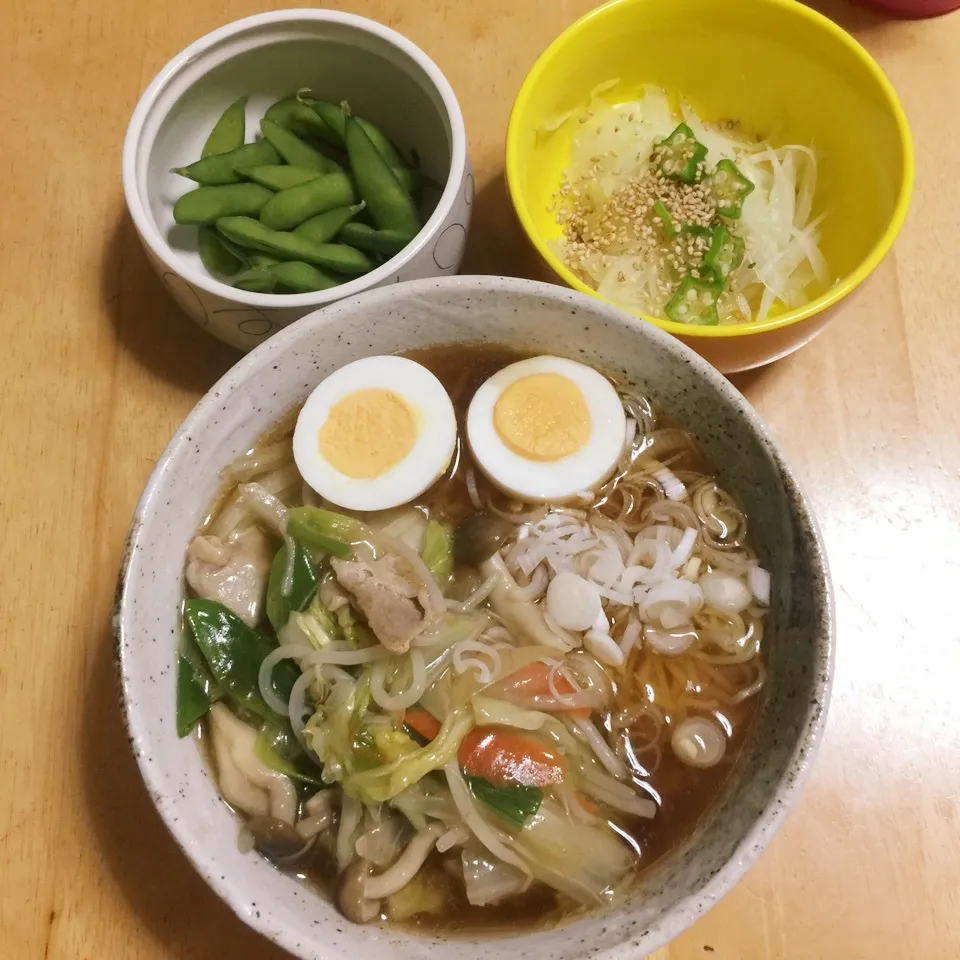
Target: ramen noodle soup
(471, 639)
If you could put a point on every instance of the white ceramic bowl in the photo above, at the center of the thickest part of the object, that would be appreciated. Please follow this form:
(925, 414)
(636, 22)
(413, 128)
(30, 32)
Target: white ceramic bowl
(386, 78)
(280, 373)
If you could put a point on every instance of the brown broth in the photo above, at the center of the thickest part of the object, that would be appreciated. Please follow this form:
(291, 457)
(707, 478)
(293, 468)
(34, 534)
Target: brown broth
(684, 794)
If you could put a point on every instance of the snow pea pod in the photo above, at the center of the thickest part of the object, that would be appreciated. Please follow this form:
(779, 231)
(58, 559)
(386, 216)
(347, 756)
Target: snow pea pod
(288, 246)
(228, 132)
(226, 168)
(385, 242)
(326, 225)
(278, 176)
(289, 208)
(294, 150)
(218, 260)
(390, 206)
(196, 689)
(233, 651)
(209, 204)
(300, 277)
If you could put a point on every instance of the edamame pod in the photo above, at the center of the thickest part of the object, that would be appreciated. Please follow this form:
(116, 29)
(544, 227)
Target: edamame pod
(332, 115)
(278, 176)
(302, 277)
(383, 144)
(209, 204)
(294, 150)
(289, 208)
(334, 118)
(299, 119)
(385, 242)
(214, 254)
(256, 280)
(334, 256)
(229, 131)
(224, 168)
(262, 260)
(326, 225)
(390, 206)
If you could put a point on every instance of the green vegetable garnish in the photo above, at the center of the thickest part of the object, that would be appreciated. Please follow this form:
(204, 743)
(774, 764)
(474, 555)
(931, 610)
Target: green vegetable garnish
(516, 805)
(679, 156)
(724, 256)
(278, 748)
(304, 587)
(666, 220)
(437, 551)
(695, 302)
(324, 530)
(729, 188)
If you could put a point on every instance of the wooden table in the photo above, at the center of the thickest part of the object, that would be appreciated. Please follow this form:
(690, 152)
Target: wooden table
(98, 368)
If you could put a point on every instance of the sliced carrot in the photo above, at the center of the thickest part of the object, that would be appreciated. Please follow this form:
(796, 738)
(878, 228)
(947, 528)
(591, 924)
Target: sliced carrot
(424, 723)
(530, 687)
(587, 804)
(506, 758)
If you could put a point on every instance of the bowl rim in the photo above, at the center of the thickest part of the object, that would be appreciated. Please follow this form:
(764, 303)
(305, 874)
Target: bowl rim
(153, 238)
(843, 288)
(685, 911)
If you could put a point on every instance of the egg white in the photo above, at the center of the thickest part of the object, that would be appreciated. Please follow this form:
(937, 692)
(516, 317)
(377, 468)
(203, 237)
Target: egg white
(553, 480)
(426, 462)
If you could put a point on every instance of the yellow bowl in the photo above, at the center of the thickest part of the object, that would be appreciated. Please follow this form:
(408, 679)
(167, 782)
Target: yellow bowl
(788, 74)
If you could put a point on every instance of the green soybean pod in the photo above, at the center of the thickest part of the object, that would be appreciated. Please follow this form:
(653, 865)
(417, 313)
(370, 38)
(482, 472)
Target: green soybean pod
(384, 145)
(325, 226)
(388, 243)
(288, 246)
(256, 280)
(278, 176)
(390, 206)
(302, 277)
(294, 150)
(332, 115)
(289, 208)
(209, 204)
(262, 259)
(229, 131)
(297, 117)
(214, 254)
(227, 168)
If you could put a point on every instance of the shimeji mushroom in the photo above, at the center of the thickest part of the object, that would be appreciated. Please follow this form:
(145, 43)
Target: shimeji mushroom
(360, 892)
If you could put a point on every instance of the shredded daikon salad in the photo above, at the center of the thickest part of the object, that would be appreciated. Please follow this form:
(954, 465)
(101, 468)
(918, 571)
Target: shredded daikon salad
(667, 215)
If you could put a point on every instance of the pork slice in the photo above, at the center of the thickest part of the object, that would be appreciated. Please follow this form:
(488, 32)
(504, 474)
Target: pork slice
(385, 597)
(234, 571)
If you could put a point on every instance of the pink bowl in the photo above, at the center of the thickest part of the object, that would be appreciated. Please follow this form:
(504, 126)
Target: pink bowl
(914, 8)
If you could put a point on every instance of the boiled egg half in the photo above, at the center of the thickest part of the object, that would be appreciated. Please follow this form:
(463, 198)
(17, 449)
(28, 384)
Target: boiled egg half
(375, 434)
(546, 429)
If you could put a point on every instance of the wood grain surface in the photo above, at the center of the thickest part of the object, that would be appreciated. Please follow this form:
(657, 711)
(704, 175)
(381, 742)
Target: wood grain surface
(98, 368)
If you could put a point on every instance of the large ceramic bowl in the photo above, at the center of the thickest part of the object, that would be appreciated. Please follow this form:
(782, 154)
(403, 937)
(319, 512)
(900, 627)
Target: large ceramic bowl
(783, 70)
(386, 79)
(280, 373)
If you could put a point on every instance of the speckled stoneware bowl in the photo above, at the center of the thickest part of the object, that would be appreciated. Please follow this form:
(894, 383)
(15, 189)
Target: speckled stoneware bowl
(280, 373)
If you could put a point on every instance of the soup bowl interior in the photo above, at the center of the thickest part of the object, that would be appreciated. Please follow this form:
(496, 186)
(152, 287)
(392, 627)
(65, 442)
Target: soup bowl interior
(532, 316)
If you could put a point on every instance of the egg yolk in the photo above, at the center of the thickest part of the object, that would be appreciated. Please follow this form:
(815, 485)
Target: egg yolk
(542, 417)
(367, 433)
